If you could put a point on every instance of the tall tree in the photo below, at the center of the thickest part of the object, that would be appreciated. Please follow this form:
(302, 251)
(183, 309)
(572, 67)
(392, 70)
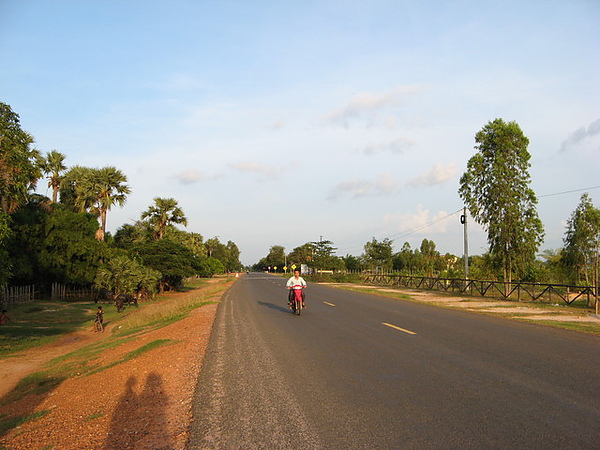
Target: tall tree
(96, 191)
(275, 258)
(53, 167)
(582, 242)
(496, 190)
(19, 163)
(163, 213)
(173, 260)
(323, 257)
(430, 255)
(302, 255)
(232, 263)
(378, 254)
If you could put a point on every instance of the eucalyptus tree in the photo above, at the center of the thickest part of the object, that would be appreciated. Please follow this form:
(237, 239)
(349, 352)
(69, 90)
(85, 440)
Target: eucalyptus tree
(53, 167)
(19, 163)
(323, 255)
(582, 242)
(302, 255)
(162, 214)
(495, 189)
(228, 254)
(378, 254)
(430, 257)
(275, 258)
(232, 261)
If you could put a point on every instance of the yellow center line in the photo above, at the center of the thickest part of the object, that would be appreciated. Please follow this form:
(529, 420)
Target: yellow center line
(398, 328)
(330, 304)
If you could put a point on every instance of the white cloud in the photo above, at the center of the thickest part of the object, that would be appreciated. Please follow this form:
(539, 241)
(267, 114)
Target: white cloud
(254, 167)
(580, 135)
(368, 103)
(191, 176)
(385, 184)
(396, 146)
(438, 174)
(277, 125)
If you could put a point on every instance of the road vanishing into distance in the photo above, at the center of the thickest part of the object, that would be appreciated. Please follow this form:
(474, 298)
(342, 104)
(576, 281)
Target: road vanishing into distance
(358, 371)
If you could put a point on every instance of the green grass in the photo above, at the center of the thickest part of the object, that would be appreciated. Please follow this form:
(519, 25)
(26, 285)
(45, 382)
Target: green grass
(84, 361)
(94, 416)
(377, 291)
(134, 354)
(34, 384)
(8, 423)
(170, 308)
(41, 323)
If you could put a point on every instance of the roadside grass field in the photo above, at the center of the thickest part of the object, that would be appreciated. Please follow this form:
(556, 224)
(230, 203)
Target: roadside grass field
(558, 311)
(40, 323)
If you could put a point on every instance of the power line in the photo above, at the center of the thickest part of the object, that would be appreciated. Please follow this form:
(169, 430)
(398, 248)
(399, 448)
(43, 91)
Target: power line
(569, 192)
(393, 237)
(396, 236)
(402, 234)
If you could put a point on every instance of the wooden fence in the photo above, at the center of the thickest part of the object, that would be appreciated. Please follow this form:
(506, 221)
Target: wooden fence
(518, 291)
(15, 295)
(61, 292)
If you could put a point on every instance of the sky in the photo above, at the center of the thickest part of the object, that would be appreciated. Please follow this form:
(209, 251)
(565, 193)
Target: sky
(290, 121)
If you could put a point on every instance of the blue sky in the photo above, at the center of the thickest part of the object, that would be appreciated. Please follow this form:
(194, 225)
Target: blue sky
(281, 122)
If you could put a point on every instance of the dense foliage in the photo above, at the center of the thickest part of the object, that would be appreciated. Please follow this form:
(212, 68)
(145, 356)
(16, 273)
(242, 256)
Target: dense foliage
(64, 240)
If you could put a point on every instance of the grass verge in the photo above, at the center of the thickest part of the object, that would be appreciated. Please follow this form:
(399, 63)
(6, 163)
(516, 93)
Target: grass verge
(574, 309)
(166, 309)
(8, 423)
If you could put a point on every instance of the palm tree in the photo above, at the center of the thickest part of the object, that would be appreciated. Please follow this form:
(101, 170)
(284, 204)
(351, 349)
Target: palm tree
(98, 190)
(53, 166)
(163, 213)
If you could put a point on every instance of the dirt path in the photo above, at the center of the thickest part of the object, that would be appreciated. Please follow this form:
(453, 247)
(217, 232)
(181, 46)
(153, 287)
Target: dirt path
(16, 367)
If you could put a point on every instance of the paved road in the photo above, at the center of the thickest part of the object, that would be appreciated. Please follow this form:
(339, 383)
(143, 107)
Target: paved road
(350, 374)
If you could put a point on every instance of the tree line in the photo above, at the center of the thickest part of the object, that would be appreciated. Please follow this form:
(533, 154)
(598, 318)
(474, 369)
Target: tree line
(64, 239)
(496, 191)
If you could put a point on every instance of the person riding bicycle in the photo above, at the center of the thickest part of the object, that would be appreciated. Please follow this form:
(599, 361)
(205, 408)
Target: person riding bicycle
(99, 320)
(296, 282)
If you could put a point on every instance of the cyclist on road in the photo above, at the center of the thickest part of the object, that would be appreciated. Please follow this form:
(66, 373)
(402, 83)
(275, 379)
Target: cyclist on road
(296, 282)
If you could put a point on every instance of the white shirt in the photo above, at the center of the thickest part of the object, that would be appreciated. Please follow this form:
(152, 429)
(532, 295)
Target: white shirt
(293, 281)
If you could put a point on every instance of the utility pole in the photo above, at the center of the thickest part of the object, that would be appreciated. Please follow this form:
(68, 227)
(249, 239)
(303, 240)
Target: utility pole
(463, 220)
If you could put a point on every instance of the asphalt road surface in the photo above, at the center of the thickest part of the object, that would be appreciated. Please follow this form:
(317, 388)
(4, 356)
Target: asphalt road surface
(357, 371)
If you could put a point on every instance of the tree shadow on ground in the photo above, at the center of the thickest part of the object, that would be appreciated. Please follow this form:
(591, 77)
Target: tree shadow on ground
(139, 420)
(29, 393)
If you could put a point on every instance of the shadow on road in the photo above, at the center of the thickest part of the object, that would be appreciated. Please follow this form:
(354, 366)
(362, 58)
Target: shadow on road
(275, 307)
(139, 420)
